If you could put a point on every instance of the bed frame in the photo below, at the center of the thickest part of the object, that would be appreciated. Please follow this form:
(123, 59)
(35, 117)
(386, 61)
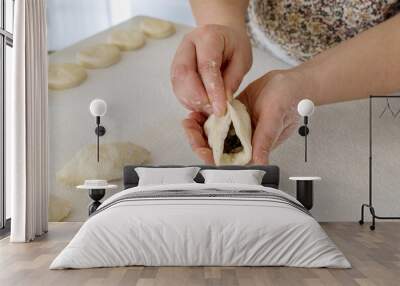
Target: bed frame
(270, 179)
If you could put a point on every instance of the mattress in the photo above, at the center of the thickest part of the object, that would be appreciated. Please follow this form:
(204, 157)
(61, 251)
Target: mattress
(201, 225)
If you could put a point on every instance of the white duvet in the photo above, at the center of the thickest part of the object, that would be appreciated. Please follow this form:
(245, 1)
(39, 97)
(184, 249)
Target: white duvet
(200, 231)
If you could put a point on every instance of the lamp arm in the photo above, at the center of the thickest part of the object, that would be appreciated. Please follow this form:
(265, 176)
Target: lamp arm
(305, 148)
(98, 138)
(305, 138)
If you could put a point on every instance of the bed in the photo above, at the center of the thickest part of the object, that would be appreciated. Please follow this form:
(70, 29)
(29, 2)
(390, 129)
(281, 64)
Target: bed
(198, 224)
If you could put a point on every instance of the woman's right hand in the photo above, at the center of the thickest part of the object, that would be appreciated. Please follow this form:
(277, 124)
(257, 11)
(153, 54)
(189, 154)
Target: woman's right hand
(209, 66)
(271, 102)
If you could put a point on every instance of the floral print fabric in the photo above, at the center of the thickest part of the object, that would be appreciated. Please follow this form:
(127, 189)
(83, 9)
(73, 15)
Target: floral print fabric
(304, 28)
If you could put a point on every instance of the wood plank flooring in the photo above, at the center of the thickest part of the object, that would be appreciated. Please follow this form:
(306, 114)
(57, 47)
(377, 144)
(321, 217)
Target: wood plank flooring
(375, 257)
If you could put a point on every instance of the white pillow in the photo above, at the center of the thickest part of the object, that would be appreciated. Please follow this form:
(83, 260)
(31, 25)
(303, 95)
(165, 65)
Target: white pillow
(248, 177)
(164, 176)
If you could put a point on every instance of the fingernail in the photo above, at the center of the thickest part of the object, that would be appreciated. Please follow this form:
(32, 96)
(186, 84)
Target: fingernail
(202, 151)
(208, 108)
(191, 139)
(218, 110)
(229, 95)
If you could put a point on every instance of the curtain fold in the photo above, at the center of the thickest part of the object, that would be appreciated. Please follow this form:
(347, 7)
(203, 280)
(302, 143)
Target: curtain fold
(26, 123)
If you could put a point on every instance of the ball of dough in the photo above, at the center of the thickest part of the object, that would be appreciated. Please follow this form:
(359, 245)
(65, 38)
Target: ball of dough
(127, 40)
(157, 28)
(99, 56)
(59, 208)
(65, 75)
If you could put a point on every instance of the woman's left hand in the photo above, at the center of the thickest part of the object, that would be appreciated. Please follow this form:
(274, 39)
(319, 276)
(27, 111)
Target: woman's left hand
(272, 104)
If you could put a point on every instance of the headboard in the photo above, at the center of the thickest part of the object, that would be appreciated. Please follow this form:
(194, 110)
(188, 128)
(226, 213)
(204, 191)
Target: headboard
(270, 179)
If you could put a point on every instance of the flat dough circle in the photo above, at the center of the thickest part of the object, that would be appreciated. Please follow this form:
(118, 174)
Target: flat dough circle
(65, 75)
(99, 56)
(157, 28)
(127, 40)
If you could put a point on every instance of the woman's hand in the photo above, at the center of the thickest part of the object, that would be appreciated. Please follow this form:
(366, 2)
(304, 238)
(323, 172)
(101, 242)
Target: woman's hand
(209, 66)
(272, 104)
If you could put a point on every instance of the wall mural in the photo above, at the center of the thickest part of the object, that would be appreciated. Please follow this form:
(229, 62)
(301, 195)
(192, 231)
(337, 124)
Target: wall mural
(125, 61)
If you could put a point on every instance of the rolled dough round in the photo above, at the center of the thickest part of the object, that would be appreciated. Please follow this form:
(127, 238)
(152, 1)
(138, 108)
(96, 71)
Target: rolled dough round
(127, 40)
(99, 56)
(65, 75)
(157, 28)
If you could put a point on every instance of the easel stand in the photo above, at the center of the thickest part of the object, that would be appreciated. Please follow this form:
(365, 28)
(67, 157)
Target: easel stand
(370, 203)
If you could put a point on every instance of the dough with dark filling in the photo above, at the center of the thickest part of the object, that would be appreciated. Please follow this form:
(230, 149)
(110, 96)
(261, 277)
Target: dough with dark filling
(229, 136)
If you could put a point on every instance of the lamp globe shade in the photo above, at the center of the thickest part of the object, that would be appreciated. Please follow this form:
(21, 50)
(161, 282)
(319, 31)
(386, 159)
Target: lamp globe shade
(98, 107)
(305, 107)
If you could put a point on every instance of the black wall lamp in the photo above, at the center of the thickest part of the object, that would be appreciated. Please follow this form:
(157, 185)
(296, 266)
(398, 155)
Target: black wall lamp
(98, 108)
(305, 108)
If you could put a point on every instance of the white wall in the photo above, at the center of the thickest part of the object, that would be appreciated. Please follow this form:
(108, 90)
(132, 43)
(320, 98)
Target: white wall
(70, 21)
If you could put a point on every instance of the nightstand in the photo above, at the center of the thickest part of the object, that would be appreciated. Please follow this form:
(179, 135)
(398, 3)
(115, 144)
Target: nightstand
(97, 190)
(304, 190)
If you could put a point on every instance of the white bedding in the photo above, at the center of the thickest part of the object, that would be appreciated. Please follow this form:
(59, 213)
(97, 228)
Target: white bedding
(200, 231)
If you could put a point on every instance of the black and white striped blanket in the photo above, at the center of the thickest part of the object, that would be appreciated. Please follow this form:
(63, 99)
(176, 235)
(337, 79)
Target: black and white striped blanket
(205, 194)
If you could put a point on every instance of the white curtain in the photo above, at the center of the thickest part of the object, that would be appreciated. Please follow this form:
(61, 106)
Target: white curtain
(26, 124)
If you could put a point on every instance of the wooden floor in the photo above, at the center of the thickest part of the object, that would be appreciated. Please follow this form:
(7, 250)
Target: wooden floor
(375, 257)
